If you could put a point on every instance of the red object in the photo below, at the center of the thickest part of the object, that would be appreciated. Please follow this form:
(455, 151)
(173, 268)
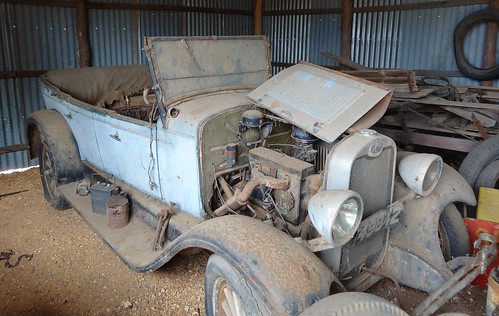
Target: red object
(475, 227)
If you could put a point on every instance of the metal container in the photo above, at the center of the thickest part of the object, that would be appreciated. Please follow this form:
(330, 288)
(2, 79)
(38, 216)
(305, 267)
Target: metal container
(100, 192)
(117, 211)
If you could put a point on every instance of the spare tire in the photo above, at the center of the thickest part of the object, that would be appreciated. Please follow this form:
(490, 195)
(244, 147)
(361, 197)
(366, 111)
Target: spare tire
(489, 177)
(478, 159)
(353, 303)
(460, 33)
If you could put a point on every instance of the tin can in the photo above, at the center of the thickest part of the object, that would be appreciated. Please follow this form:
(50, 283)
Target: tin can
(117, 211)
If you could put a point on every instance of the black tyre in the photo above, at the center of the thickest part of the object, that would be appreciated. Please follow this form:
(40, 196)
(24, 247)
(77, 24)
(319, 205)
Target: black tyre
(489, 177)
(460, 33)
(49, 174)
(353, 303)
(478, 159)
(454, 239)
(227, 291)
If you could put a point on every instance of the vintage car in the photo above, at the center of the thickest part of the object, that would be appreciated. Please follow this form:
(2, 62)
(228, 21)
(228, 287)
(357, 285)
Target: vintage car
(280, 178)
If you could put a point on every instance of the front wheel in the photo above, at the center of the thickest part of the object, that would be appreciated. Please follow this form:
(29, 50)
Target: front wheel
(227, 291)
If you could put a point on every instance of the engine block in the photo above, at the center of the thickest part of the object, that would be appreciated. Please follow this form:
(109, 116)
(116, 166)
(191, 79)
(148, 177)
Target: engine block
(278, 165)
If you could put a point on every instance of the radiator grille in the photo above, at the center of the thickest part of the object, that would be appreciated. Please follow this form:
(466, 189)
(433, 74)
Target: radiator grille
(372, 179)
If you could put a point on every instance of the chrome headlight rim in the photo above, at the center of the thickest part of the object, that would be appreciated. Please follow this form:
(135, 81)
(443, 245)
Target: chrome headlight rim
(327, 207)
(421, 172)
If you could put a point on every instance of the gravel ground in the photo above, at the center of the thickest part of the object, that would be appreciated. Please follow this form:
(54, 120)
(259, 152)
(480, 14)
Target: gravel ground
(72, 272)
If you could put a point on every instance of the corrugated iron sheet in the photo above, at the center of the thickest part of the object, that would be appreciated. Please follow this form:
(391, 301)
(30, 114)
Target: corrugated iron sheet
(288, 35)
(414, 39)
(35, 37)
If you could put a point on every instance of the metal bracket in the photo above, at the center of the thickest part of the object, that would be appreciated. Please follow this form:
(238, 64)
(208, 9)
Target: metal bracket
(478, 265)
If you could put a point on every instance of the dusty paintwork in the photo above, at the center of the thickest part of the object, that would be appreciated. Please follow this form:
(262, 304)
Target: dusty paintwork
(204, 165)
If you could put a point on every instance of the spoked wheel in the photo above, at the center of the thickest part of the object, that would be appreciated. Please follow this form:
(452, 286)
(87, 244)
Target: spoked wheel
(226, 301)
(228, 293)
(49, 177)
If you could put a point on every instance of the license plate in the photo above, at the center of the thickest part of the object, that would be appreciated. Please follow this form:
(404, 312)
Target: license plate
(384, 218)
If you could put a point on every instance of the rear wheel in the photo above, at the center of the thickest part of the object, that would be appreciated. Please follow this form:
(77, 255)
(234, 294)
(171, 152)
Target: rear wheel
(50, 177)
(227, 291)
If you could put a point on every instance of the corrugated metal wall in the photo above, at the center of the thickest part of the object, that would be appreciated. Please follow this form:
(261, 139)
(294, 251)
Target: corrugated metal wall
(33, 38)
(37, 38)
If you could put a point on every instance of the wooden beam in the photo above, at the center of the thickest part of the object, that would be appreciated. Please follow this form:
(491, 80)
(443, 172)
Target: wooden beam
(382, 8)
(161, 7)
(46, 3)
(13, 148)
(257, 17)
(346, 28)
(82, 32)
(450, 143)
(130, 6)
(490, 49)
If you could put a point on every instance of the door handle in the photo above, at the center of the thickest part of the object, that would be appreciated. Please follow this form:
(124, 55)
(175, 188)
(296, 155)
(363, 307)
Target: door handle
(115, 137)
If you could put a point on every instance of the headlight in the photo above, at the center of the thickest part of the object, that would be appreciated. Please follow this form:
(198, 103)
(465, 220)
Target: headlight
(336, 214)
(421, 172)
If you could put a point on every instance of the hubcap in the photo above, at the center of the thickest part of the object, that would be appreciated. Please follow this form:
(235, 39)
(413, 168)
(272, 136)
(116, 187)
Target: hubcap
(226, 301)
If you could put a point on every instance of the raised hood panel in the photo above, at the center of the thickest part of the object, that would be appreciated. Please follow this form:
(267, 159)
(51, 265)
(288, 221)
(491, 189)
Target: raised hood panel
(186, 65)
(321, 101)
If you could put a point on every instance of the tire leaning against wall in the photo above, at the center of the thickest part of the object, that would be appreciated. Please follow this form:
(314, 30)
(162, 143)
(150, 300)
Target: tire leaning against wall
(478, 159)
(460, 32)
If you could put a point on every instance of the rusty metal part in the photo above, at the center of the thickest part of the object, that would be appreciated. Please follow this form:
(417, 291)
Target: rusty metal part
(240, 198)
(492, 293)
(163, 221)
(479, 127)
(476, 266)
(225, 187)
(287, 274)
(414, 256)
(117, 211)
(387, 276)
(230, 170)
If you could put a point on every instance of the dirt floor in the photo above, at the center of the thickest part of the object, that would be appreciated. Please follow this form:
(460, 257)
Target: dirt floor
(68, 270)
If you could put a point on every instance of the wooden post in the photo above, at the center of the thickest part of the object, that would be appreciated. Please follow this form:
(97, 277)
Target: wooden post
(257, 17)
(489, 54)
(346, 28)
(82, 32)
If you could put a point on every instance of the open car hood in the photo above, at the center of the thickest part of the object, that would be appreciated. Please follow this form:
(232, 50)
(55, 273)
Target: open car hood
(182, 66)
(321, 101)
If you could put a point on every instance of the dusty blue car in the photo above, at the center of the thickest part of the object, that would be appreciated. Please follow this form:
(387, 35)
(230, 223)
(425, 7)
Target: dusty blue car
(279, 177)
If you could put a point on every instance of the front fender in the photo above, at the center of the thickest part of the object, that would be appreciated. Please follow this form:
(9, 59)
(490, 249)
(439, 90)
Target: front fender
(414, 255)
(289, 276)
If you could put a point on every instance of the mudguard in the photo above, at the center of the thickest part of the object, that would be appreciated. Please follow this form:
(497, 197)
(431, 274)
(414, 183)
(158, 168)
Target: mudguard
(287, 274)
(414, 256)
(49, 127)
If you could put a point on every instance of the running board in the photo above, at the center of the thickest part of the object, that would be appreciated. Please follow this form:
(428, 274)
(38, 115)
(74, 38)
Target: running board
(134, 242)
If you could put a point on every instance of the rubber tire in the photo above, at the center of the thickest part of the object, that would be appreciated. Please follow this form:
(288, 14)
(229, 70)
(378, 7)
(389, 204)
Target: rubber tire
(353, 303)
(460, 33)
(251, 298)
(489, 177)
(454, 235)
(478, 159)
(50, 190)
